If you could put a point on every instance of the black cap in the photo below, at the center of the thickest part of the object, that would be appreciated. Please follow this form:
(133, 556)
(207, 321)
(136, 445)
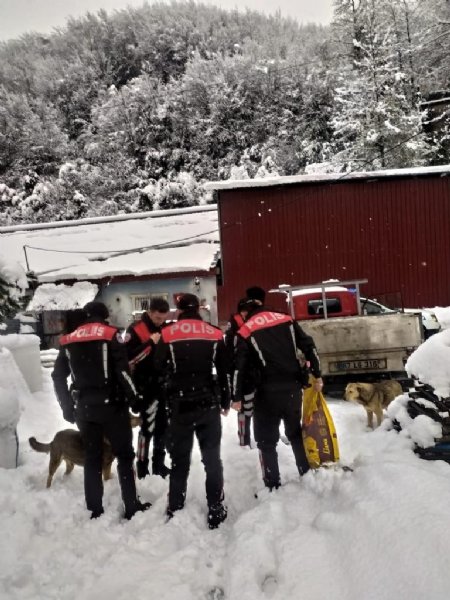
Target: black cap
(242, 304)
(256, 293)
(187, 301)
(96, 309)
(74, 318)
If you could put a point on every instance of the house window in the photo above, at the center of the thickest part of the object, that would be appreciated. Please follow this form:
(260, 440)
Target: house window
(141, 302)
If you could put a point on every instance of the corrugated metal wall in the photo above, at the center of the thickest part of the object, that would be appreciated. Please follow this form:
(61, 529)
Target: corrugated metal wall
(394, 232)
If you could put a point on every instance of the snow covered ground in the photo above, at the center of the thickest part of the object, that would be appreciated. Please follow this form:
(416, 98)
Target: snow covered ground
(379, 532)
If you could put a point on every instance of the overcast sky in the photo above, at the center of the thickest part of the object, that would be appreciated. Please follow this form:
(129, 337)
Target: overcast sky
(19, 16)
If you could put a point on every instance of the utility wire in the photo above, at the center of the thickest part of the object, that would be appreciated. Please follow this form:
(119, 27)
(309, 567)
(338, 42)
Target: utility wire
(112, 253)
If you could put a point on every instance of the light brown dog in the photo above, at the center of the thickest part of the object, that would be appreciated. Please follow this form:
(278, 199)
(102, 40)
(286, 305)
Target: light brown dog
(373, 397)
(68, 445)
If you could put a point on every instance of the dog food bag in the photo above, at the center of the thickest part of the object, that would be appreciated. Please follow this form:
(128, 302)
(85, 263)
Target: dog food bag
(319, 432)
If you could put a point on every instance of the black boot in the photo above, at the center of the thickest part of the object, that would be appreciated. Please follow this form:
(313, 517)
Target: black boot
(269, 465)
(300, 456)
(217, 514)
(97, 513)
(139, 507)
(160, 469)
(158, 466)
(142, 469)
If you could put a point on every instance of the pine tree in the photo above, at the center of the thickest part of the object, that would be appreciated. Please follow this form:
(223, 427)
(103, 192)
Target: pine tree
(377, 120)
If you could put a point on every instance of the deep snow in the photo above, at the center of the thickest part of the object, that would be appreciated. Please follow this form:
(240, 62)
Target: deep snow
(380, 532)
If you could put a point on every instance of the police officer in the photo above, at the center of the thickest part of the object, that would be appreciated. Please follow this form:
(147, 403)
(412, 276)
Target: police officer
(187, 352)
(95, 357)
(141, 339)
(270, 344)
(235, 322)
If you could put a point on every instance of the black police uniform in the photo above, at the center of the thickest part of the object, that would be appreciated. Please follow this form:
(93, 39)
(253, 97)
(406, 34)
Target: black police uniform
(235, 322)
(187, 352)
(140, 349)
(95, 357)
(269, 342)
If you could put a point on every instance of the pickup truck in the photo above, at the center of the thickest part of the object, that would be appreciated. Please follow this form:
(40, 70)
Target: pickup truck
(353, 346)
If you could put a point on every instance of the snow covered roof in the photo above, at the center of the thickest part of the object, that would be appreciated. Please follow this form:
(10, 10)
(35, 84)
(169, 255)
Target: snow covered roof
(49, 296)
(172, 241)
(318, 290)
(230, 184)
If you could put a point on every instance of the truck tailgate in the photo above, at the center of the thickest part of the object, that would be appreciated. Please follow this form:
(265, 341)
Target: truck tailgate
(365, 343)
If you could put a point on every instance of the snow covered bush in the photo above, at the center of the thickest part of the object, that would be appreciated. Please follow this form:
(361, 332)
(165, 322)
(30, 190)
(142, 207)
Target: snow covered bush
(181, 191)
(9, 200)
(422, 430)
(268, 168)
(238, 172)
(13, 283)
(430, 363)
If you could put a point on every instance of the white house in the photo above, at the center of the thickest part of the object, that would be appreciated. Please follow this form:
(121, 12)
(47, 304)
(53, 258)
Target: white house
(123, 260)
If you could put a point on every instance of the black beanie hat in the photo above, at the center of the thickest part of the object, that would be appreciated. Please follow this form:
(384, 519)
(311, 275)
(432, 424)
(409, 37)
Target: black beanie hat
(74, 318)
(256, 293)
(96, 309)
(187, 301)
(242, 304)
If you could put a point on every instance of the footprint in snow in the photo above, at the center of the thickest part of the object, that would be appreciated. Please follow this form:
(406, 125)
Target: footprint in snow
(269, 586)
(215, 593)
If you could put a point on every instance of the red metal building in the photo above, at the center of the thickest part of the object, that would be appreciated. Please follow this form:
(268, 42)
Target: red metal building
(391, 227)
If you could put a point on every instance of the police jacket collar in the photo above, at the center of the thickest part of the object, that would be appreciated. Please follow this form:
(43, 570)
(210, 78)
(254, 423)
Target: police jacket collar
(95, 319)
(256, 310)
(187, 314)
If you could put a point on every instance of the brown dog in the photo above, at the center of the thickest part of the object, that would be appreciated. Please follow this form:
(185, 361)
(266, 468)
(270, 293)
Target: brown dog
(68, 445)
(373, 397)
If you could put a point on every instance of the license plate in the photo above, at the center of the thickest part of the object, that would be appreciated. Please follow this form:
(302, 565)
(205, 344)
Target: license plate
(369, 364)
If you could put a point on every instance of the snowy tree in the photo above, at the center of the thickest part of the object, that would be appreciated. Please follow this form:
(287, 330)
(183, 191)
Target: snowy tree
(112, 106)
(377, 121)
(430, 35)
(430, 27)
(30, 136)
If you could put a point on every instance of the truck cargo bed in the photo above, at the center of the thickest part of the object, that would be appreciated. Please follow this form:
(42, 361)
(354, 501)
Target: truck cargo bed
(365, 344)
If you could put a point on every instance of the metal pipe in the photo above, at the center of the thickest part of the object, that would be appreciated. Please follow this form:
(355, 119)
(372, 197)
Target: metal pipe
(26, 257)
(324, 303)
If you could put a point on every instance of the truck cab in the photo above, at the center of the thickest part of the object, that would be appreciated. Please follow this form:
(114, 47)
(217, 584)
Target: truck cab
(309, 303)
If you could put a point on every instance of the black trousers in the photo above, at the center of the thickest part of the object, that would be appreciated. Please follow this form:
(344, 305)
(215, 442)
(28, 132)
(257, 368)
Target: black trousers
(154, 426)
(275, 402)
(245, 419)
(206, 425)
(114, 424)
(244, 416)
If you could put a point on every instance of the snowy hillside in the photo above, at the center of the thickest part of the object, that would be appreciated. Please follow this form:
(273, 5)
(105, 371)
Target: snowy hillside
(380, 532)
